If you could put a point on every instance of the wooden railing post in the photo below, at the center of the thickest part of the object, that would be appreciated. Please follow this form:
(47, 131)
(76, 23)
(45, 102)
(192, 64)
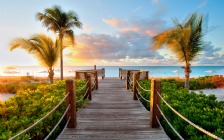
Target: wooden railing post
(103, 73)
(120, 75)
(96, 79)
(147, 75)
(154, 101)
(94, 67)
(127, 79)
(71, 100)
(76, 75)
(85, 74)
(136, 76)
(89, 87)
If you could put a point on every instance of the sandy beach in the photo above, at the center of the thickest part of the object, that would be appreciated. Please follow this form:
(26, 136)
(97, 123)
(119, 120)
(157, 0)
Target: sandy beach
(219, 92)
(5, 96)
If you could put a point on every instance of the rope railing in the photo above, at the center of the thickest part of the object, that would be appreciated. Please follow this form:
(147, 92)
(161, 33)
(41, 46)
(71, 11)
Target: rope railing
(83, 96)
(161, 125)
(82, 87)
(142, 87)
(87, 94)
(57, 123)
(130, 80)
(141, 103)
(80, 109)
(191, 123)
(175, 131)
(130, 87)
(94, 84)
(89, 73)
(38, 122)
(64, 128)
(142, 96)
(69, 107)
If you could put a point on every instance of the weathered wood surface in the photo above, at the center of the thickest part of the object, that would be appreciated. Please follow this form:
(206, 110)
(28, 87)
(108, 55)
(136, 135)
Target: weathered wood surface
(113, 114)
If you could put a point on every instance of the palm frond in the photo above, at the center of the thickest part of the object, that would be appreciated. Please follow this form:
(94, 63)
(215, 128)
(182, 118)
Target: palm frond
(184, 40)
(164, 38)
(41, 46)
(57, 20)
(69, 34)
(19, 42)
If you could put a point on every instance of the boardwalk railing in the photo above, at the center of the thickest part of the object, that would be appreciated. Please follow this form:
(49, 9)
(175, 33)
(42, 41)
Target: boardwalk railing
(155, 97)
(123, 73)
(70, 112)
(93, 75)
(82, 74)
(129, 76)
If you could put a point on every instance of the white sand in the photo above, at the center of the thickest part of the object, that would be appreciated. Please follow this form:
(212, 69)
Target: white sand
(219, 92)
(5, 96)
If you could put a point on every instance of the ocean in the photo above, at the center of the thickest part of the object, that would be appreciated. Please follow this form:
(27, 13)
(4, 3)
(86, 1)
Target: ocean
(112, 71)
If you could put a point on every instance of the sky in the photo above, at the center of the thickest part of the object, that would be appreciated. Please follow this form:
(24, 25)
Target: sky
(115, 32)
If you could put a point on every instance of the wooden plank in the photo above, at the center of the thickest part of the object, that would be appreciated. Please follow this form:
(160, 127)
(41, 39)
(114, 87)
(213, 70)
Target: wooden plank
(113, 114)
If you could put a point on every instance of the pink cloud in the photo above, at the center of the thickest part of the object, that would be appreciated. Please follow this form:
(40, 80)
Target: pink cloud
(115, 22)
(130, 28)
(150, 32)
(147, 27)
(130, 45)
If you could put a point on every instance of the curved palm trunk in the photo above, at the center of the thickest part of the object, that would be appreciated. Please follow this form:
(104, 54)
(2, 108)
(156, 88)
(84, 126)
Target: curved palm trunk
(61, 54)
(51, 75)
(187, 72)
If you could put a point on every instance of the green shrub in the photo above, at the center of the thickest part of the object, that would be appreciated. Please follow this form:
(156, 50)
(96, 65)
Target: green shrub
(29, 106)
(205, 111)
(14, 87)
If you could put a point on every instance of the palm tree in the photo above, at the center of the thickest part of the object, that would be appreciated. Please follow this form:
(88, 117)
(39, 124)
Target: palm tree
(184, 40)
(61, 23)
(42, 47)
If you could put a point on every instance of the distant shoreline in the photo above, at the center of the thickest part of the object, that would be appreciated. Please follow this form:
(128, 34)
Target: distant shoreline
(112, 71)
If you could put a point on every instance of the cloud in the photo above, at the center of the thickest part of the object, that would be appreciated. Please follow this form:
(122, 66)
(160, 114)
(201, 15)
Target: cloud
(210, 51)
(154, 1)
(129, 45)
(202, 4)
(103, 46)
(115, 22)
(210, 55)
(87, 28)
(146, 27)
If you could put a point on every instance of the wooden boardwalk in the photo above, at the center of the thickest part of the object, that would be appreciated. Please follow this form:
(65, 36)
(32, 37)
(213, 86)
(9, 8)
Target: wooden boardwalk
(113, 114)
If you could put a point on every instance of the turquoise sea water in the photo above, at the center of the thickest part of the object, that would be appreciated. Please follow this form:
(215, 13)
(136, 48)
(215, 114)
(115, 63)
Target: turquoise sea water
(112, 71)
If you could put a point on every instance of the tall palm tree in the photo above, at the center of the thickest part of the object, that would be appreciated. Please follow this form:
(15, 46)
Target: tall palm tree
(184, 40)
(61, 23)
(42, 47)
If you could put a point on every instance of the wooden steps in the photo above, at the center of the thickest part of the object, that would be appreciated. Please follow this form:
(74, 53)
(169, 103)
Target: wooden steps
(113, 115)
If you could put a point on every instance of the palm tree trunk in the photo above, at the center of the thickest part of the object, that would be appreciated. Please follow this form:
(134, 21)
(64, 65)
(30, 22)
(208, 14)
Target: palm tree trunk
(187, 72)
(187, 81)
(61, 55)
(51, 75)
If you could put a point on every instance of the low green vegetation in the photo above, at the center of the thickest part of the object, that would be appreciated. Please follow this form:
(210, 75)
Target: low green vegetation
(205, 111)
(23, 79)
(29, 106)
(13, 88)
(200, 83)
